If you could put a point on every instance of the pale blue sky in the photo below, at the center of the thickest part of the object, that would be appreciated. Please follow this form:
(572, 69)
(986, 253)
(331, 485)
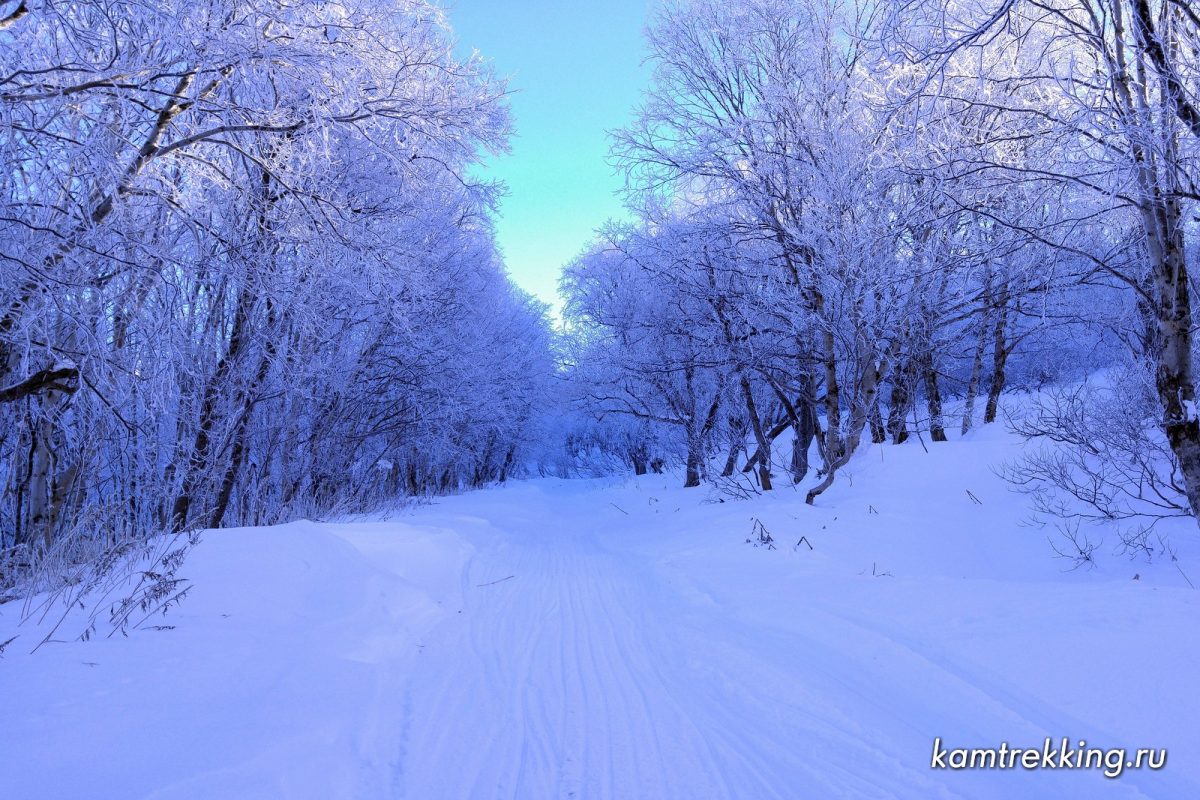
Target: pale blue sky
(576, 71)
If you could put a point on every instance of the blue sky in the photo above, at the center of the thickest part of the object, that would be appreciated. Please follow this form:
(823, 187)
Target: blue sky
(576, 71)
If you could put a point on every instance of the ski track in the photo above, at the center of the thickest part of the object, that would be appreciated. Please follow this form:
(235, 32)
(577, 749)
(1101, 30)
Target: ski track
(585, 676)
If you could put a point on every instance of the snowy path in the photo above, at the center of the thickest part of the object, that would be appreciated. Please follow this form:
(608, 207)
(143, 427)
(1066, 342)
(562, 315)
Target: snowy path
(584, 676)
(590, 673)
(639, 650)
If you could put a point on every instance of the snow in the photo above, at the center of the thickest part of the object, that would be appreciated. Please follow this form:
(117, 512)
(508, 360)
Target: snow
(618, 638)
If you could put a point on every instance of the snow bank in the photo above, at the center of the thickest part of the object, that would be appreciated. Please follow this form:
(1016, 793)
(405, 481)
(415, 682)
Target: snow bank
(280, 678)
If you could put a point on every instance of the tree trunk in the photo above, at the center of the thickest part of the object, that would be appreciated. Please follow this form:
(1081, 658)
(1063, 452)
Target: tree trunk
(507, 465)
(735, 448)
(737, 444)
(237, 454)
(804, 427)
(866, 410)
(1174, 378)
(41, 463)
(697, 437)
(999, 355)
(869, 383)
(933, 399)
(833, 398)
(760, 438)
(197, 464)
(878, 429)
(1162, 224)
(61, 492)
(694, 457)
(977, 361)
(897, 424)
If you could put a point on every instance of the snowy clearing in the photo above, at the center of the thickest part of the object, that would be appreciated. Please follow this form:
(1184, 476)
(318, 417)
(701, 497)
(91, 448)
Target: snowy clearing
(620, 639)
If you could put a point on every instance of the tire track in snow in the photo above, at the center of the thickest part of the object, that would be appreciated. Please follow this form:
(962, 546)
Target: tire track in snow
(571, 639)
(588, 676)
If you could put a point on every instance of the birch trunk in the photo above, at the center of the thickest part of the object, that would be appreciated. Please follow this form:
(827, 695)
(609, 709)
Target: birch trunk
(977, 360)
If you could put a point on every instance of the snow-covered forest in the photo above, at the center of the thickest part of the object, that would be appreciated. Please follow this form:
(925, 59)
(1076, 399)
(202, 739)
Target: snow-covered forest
(896, 324)
(848, 214)
(247, 273)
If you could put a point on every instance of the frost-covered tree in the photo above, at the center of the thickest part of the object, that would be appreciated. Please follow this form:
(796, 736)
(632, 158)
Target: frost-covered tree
(1106, 94)
(246, 273)
(857, 269)
(644, 350)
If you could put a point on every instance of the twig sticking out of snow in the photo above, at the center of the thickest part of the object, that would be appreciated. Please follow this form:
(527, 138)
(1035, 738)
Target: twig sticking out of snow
(1185, 577)
(493, 583)
(1076, 547)
(764, 536)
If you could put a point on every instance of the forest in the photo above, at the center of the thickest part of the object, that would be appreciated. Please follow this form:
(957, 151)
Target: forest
(848, 214)
(869, 423)
(249, 270)
(247, 275)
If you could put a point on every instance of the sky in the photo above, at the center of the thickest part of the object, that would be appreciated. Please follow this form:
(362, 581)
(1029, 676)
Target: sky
(575, 71)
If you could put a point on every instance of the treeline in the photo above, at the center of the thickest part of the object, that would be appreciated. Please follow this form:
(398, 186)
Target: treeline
(244, 271)
(846, 214)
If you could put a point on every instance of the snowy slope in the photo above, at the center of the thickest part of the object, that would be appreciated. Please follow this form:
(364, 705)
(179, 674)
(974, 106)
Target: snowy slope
(600, 639)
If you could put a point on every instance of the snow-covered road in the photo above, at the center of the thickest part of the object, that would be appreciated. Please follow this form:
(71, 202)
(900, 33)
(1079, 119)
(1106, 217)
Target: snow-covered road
(592, 639)
(586, 674)
(596, 670)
